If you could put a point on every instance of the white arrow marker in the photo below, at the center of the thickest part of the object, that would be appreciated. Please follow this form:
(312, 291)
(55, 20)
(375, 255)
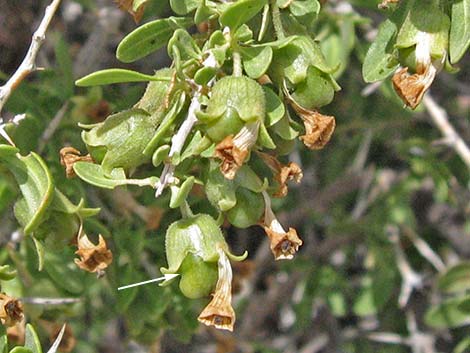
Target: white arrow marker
(164, 278)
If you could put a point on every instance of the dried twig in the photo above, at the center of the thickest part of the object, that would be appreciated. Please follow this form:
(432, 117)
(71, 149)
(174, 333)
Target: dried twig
(177, 143)
(410, 278)
(452, 138)
(29, 62)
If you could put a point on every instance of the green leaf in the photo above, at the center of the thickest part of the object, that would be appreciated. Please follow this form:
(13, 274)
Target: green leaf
(240, 12)
(7, 273)
(64, 273)
(32, 340)
(110, 76)
(275, 109)
(449, 314)
(165, 125)
(94, 175)
(125, 136)
(456, 279)
(183, 7)
(3, 340)
(179, 194)
(304, 7)
(256, 60)
(148, 38)
(459, 40)
(379, 63)
(21, 350)
(35, 183)
(463, 346)
(264, 139)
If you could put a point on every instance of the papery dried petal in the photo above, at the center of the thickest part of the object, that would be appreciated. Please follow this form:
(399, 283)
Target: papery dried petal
(11, 310)
(219, 312)
(232, 157)
(284, 245)
(318, 127)
(127, 5)
(411, 88)
(282, 173)
(69, 156)
(385, 3)
(93, 258)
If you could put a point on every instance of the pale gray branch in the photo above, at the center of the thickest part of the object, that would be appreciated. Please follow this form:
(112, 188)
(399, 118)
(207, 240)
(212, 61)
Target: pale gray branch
(453, 139)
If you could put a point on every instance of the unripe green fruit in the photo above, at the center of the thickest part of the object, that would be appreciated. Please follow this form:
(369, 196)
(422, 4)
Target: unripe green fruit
(248, 210)
(228, 124)
(315, 92)
(198, 278)
(220, 191)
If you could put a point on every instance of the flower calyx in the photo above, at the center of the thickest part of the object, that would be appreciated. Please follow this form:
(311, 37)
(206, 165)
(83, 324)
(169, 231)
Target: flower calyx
(69, 156)
(93, 257)
(11, 310)
(283, 244)
(191, 246)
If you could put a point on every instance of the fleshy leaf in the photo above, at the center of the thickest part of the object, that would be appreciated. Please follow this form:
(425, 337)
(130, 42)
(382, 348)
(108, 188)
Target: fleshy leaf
(110, 76)
(148, 38)
(379, 63)
(240, 12)
(32, 340)
(35, 183)
(459, 40)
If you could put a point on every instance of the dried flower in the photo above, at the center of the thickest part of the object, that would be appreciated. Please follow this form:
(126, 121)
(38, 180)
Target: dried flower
(282, 173)
(128, 5)
(283, 244)
(11, 310)
(93, 258)
(219, 312)
(318, 127)
(234, 150)
(69, 156)
(385, 3)
(411, 87)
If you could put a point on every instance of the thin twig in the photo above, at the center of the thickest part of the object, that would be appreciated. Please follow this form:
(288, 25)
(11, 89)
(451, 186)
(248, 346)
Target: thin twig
(440, 118)
(177, 143)
(410, 278)
(29, 62)
(52, 127)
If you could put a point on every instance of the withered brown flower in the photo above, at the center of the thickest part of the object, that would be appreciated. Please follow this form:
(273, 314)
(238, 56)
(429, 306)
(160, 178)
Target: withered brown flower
(234, 150)
(282, 173)
(284, 244)
(318, 127)
(384, 4)
(11, 310)
(412, 87)
(128, 5)
(93, 258)
(219, 312)
(69, 156)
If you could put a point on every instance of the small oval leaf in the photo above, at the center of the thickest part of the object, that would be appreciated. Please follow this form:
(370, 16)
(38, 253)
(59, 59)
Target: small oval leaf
(148, 38)
(110, 76)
